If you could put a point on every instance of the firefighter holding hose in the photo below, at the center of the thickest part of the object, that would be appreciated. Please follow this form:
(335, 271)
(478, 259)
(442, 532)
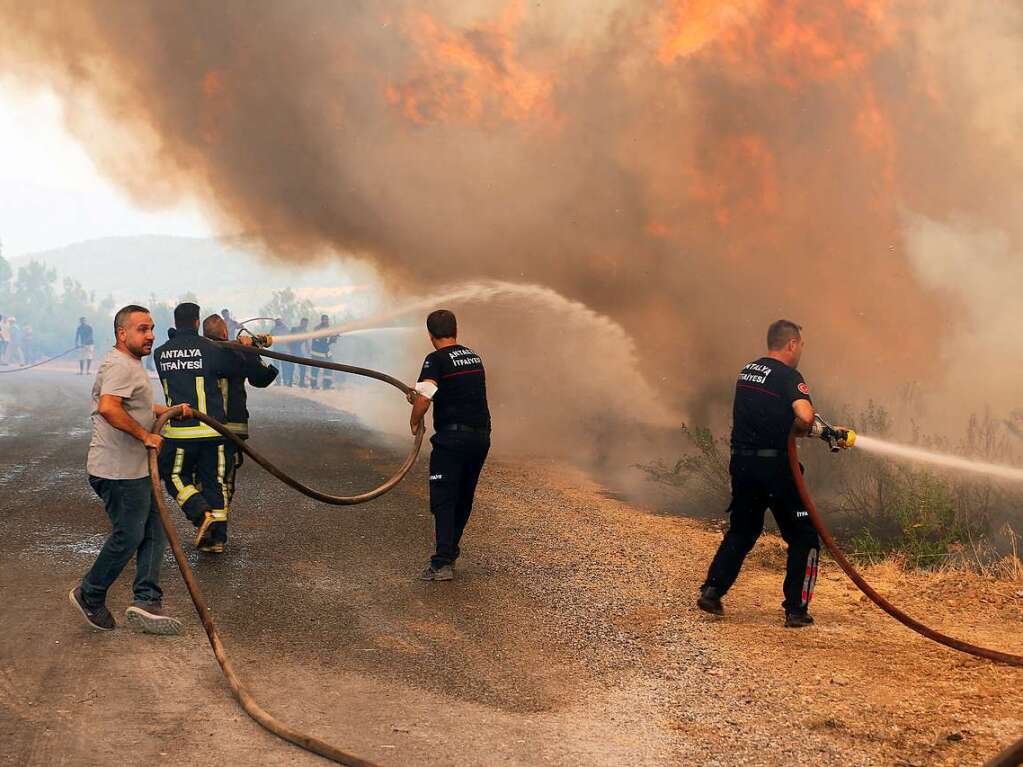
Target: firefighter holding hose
(771, 401)
(254, 371)
(195, 460)
(454, 382)
(321, 350)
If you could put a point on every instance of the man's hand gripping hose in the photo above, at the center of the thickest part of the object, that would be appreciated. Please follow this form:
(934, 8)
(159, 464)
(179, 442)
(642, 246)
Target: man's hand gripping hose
(248, 703)
(841, 438)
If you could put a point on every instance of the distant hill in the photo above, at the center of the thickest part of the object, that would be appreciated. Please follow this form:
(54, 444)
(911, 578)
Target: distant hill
(218, 272)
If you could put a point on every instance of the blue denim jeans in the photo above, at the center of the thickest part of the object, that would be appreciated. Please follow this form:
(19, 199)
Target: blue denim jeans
(137, 531)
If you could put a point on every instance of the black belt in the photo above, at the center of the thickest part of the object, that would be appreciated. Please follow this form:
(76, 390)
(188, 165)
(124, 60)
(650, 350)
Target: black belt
(463, 427)
(757, 453)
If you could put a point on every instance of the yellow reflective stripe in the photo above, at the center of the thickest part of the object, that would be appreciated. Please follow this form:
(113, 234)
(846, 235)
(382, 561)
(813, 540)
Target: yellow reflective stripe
(185, 494)
(166, 393)
(238, 428)
(223, 391)
(200, 393)
(189, 432)
(184, 491)
(179, 460)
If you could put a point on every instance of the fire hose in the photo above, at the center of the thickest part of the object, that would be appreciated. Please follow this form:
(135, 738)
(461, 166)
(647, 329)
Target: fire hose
(1012, 756)
(245, 699)
(41, 362)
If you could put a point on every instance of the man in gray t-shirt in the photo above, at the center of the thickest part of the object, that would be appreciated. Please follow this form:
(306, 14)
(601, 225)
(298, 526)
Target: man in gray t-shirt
(118, 465)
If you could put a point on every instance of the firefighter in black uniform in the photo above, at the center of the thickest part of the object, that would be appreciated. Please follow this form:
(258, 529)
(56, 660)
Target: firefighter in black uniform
(195, 460)
(320, 350)
(771, 401)
(254, 371)
(453, 380)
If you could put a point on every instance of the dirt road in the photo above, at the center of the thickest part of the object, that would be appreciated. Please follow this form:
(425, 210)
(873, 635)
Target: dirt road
(569, 637)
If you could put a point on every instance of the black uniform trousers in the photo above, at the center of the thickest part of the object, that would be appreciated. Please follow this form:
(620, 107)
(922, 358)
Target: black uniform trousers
(759, 483)
(197, 474)
(455, 465)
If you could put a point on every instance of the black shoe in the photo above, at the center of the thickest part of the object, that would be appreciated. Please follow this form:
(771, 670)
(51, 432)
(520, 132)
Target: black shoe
(442, 573)
(97, 617)
(149, 618)
(710, 602)
(798, 620)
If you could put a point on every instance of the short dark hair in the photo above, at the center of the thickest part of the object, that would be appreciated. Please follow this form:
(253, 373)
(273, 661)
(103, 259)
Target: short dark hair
(121, 318)
(212, 323)
(442, 324)
(781, 332)
(186, 315)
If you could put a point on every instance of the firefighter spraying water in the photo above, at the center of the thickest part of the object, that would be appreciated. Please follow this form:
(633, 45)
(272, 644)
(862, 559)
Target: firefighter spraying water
(772, 401)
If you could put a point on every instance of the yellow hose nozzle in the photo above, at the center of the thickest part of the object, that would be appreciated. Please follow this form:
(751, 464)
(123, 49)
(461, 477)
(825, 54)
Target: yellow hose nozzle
(850, 438)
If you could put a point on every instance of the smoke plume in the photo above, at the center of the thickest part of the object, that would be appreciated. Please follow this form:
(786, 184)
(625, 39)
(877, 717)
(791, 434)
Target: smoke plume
(693, 169)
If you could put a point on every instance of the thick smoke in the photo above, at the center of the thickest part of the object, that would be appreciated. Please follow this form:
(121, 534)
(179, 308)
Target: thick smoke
(691, 169)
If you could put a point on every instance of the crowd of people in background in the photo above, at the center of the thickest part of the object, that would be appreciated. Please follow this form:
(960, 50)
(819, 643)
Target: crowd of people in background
(320, 348)
(17, 347)
(292, 374)
(17, 342)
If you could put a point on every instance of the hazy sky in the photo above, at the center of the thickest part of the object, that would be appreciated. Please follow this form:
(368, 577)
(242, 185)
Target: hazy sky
(50, 192)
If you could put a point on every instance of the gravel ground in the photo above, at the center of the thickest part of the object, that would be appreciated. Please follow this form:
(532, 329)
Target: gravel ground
(568, 638)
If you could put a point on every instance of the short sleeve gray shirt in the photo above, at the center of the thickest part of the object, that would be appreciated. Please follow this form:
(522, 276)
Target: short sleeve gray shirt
(113, 454)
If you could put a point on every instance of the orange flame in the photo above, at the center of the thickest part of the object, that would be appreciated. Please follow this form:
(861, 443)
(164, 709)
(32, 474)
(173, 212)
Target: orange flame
(790, 46)
(794, 41)
(471, 75)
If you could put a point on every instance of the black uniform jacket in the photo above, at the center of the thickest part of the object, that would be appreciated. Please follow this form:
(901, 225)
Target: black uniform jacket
(191, 368)
(255, 372)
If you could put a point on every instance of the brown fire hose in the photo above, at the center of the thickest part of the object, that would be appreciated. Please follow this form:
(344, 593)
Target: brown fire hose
(341, 368)
(1013, 756)
(1010, 757)
(248, 703)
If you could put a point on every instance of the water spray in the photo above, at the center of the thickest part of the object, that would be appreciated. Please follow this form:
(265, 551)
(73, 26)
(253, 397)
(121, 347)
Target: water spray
(838, 438)
(944, 460)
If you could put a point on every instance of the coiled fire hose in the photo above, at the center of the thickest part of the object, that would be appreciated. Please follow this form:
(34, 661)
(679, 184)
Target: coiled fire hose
(41, 362)
(245, 699)
(1011, 757)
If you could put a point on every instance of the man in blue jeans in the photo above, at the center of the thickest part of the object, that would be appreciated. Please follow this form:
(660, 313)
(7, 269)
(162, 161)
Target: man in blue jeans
(122, 420)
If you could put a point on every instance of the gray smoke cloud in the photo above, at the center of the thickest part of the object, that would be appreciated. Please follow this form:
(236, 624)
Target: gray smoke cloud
(692, 170)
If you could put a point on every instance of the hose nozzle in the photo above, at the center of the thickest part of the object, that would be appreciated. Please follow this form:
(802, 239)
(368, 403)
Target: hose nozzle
(837, 437)
(259, 340)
